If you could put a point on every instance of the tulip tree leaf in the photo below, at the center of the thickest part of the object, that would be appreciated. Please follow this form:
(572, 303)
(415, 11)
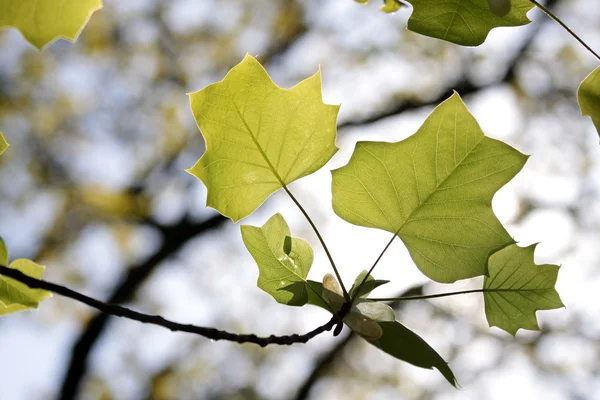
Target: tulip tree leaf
(434, 190)
(517, 287)
(588, 97)
(464, 22)
(16, 296)
(259, 137)
(282, 275)
(3, 143)
(403, 344)
(43, 21)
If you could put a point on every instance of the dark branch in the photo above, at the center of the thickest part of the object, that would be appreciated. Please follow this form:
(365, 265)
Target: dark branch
(119, 311)
(174, 237)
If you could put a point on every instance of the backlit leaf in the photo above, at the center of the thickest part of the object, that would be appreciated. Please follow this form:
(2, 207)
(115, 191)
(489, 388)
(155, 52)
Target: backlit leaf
(403, 344)
(16, 296)
(282, 275)
(43, 21)
(434, 190)
(588, 96)
(517, 287)
(464, 22)
(259, 136)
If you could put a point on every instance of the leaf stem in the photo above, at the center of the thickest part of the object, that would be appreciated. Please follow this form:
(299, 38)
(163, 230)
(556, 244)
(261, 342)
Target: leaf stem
(373, 267)
(438, 295)
(558, 20)
(314, 227)
(119, 311)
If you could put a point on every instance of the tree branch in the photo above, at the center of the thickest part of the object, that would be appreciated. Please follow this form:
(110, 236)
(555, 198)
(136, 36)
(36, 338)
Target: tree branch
(124, 312)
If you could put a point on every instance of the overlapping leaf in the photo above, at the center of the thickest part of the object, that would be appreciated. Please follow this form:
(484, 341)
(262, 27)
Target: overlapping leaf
(375, 322)
(588, 96)
(403, 344)
(282, 274)
(43, 21)
(16, 296)
(464, 22)
(434, 190)
(3, 143)
(259, 136)
(516, 288)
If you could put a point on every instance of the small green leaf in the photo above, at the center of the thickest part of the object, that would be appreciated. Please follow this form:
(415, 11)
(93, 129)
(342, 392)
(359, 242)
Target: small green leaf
(287, 245)
(363, 325)
(259, 137)
(464, 22)
(369, 285)
(43, 21)
(588, 97)
(3, 143)
(16, 296)
(403, 344)
(434, 190)
(517, 287)
(282, 275)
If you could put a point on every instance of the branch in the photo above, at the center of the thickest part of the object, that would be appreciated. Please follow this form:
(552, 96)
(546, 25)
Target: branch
(174, 237)
(326, 359)
(119, 311)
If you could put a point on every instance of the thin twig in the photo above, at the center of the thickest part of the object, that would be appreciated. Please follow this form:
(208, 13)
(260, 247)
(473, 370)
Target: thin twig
(558, 20)
(119, 311)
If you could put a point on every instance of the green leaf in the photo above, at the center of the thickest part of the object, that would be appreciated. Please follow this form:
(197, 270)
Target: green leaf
(282, 275)
(369, 285)
(3, 143)
(16, 296)
(259, 137)
(403, 344)
(588, 97)
(434, 190)
(464, 22)
(517, 287)
(43, 21)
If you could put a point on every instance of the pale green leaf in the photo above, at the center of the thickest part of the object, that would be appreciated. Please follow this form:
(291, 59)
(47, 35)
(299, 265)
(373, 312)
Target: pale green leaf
(369, 285)
(43, 21)
(363, 325)
(588, 97)
(434, 190)
(403, 344)
(517, 287)
(3, 143)
(464, 22)
(259, 137)
(376, 311)
(282, 275)
(16, 296)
